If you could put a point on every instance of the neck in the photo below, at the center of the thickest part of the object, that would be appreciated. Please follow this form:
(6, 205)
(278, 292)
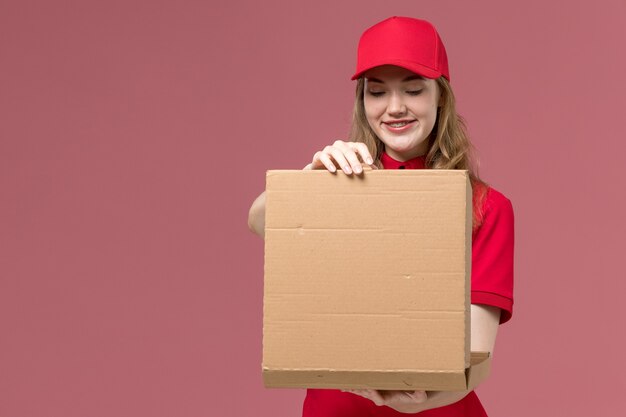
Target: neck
(404, 156)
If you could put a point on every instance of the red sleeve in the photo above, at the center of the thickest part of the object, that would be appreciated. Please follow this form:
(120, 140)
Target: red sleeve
(492, 255)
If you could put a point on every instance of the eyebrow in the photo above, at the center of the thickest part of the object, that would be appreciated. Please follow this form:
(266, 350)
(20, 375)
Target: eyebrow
(409, 78)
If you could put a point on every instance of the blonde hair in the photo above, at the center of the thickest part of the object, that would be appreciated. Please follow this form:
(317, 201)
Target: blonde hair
(449, 146)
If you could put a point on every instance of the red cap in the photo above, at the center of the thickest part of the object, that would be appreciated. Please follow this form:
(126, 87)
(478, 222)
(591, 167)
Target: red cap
(406, 42)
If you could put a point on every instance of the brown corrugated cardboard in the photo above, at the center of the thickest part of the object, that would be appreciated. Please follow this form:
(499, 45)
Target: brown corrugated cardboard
(479, 368)
(367, 280)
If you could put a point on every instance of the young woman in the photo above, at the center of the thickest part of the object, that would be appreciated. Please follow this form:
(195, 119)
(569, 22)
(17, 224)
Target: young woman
(405, 118)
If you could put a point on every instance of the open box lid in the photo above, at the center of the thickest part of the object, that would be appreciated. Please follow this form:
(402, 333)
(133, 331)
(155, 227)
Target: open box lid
(367, 279)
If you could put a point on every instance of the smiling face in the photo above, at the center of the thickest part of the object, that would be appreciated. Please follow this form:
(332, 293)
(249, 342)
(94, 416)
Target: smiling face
(401, 108)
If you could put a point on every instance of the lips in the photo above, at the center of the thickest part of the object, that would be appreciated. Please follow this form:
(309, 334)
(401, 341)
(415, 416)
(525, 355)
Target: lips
(399, 125)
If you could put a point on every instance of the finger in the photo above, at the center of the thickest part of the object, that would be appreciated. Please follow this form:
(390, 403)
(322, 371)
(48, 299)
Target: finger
(418, 396)
(350, 154)
(324, 161)
(358, 392)
(339, 158)
(364, 152)
(376, 397)
(363, 393)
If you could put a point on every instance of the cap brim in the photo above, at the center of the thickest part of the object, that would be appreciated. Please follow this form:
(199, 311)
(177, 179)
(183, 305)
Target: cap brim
(413, 67)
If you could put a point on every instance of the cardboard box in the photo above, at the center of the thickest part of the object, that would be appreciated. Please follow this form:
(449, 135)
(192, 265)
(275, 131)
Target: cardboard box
(367, 280)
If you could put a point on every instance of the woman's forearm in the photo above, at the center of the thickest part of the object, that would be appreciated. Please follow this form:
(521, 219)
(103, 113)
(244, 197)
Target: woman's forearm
(256, 216)
(484, 328)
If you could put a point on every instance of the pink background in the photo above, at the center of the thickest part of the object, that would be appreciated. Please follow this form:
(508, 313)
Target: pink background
(135, 135)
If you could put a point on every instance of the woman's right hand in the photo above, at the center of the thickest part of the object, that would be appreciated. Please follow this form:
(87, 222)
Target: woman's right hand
(344, 155)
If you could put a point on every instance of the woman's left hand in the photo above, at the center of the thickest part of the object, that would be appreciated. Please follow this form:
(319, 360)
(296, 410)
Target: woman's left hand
(402, 401)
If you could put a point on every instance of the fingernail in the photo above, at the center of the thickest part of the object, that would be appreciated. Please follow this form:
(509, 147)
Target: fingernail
(347, 169)
(369, 161)
(358, 170)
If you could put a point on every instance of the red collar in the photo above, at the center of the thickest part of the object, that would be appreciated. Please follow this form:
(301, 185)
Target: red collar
(388, 162)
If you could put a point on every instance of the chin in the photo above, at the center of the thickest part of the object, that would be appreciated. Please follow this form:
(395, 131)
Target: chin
(405, 148)
(402, 146)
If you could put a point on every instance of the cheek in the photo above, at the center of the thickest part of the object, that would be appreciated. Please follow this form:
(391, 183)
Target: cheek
(426, 111)
(373, 111)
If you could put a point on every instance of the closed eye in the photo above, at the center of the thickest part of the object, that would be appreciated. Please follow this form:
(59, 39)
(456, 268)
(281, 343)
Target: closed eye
(380, 93)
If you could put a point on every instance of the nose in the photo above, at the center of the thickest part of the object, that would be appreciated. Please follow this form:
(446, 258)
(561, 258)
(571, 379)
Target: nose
(396, 105)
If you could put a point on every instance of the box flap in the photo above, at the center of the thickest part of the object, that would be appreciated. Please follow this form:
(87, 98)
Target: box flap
(387, 380)
(480, 366)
